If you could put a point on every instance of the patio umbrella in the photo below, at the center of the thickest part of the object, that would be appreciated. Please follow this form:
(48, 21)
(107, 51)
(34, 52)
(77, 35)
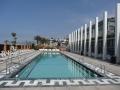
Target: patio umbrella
(21, 47)
(24, 47)
(16, 46)
(27, 46)
(5, 47)
(10, 46)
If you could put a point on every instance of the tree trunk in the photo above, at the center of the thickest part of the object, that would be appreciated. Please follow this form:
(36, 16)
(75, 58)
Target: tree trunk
(37, 41)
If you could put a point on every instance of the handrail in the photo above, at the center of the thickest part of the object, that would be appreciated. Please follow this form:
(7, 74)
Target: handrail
(102, 67)
(94, 68)
(97, 66)
(8, 65)
(11, 56)
(20, 59)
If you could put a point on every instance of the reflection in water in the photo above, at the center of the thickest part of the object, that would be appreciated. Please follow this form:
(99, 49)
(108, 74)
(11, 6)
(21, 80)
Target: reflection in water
(76, 69)
(50, 55)
(54, 65)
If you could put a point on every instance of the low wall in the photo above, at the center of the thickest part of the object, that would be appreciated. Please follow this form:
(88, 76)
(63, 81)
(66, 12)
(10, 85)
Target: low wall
(8, 47)
(1, 47)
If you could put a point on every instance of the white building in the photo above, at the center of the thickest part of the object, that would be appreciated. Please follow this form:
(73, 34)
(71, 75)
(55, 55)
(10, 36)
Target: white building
(100, 40)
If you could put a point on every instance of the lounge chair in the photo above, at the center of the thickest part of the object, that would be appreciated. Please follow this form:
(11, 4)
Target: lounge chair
(45, 49)
(3, 56)
(57, 50)
(53, 50)
(49, 49)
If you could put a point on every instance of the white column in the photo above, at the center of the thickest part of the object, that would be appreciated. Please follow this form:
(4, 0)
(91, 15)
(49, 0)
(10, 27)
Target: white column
(72, 41)
(90, 29)
(78, 40)
(69, 41)
(81, 39)
(104, 35)
(85, 36)
(117, 33)
(96, 37)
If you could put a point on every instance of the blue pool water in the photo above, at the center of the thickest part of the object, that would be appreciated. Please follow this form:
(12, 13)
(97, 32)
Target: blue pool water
(54, 65)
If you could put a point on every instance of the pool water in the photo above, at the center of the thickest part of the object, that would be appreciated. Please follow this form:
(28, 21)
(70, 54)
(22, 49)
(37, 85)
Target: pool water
(54, 65)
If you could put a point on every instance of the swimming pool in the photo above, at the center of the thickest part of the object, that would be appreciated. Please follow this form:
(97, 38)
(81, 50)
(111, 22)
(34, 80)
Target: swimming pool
(54, 65)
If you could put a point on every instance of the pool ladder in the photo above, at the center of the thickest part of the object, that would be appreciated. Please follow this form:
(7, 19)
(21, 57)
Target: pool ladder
(10, 65)
(100, 67)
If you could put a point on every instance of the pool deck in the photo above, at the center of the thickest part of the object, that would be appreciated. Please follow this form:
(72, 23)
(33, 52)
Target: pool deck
(114, 68)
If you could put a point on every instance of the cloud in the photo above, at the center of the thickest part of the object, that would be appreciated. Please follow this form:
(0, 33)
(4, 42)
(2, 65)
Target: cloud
(85, 18)
(81, 19)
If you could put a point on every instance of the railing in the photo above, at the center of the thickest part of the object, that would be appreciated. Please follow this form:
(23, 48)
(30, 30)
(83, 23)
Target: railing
(10, 67)
(100, 67)
(10, 64)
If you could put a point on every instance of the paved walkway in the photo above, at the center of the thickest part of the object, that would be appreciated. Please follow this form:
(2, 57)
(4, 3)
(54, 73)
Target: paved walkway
(108, 87)
(114, 68)
(3, 63)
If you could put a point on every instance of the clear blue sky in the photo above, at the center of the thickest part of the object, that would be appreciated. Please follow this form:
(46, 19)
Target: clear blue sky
(49, 18)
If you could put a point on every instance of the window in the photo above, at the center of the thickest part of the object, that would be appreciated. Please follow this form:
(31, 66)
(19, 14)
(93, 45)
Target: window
(93, 32)
(108, 42)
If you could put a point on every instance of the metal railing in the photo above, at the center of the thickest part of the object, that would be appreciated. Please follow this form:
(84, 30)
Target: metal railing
(100, 67)
(10, 63)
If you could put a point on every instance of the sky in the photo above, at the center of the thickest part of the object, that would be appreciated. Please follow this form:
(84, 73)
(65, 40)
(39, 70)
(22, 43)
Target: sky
(49, 18)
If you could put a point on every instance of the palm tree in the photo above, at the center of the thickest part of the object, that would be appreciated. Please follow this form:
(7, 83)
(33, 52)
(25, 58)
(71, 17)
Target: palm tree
(15, 40)
(43, 40)
(47, 41)
(51, 37)
(37, 38)
(30, 44)
(12, 42)
(54, 40)
(13, 34)
(40, 40)
(6, 41)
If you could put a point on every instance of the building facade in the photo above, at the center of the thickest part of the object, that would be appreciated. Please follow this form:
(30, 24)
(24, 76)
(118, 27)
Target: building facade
(100, 40)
